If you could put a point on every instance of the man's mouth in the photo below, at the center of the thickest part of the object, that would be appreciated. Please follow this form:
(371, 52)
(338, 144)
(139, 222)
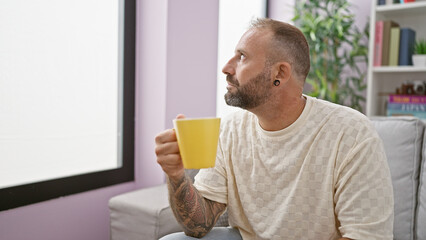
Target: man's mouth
(229, 86)
(231, 82)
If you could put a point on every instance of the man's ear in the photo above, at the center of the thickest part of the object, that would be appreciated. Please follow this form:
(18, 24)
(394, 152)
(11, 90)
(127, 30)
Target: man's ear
(283, 73)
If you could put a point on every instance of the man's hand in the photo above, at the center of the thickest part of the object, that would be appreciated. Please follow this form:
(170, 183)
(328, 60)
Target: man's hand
(168, 154)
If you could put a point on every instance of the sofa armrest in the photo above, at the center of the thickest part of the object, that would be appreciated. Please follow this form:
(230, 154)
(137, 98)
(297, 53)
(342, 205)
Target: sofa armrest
(142, 214)
(402, 138)
(421, 207)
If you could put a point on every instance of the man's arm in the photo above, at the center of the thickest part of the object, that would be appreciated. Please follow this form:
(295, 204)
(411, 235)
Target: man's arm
(195, 213)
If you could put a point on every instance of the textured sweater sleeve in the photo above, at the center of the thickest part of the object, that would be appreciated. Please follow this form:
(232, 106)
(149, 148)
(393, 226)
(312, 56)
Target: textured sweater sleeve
(363, 193)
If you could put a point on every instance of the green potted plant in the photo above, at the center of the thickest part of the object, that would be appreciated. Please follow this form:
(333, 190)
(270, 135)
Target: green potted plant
(419, 53)
(339, 51)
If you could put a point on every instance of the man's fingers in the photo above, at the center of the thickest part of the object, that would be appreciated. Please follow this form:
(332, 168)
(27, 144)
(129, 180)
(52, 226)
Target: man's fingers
(167, 151)
(167, 136)
(167, 148)
(170, 161)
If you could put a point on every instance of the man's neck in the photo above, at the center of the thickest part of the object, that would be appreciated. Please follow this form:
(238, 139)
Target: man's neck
(279, 115)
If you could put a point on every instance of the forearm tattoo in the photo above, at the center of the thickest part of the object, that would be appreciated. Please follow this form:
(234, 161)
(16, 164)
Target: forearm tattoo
(196, 214)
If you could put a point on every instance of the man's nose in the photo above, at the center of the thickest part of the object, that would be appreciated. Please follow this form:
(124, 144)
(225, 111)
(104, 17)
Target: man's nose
(229, 68)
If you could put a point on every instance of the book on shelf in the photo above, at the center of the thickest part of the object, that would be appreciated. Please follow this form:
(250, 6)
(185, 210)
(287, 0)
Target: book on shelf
(394, 46)
(407, 38)
(382, 42)
(387, 25)
(416, 99)
(406, 105)
(406, 109)
(390, 2)
(378, 35)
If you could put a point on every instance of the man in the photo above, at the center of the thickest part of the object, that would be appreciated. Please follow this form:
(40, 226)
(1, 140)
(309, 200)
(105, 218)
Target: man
(289, 166)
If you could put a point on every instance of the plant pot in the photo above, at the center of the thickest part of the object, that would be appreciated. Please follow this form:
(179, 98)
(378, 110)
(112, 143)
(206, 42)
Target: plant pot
(419, 60)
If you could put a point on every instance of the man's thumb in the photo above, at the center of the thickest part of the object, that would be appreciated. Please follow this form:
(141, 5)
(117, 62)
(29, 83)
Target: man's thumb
(180, 116)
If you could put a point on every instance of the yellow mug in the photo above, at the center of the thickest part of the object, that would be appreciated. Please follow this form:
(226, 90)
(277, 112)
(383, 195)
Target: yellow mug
(197, 139)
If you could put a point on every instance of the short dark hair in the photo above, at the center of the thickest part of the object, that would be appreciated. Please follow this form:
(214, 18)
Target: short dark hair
(289, 45)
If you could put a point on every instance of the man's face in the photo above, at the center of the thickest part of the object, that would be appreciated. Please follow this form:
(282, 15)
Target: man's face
(248, 75)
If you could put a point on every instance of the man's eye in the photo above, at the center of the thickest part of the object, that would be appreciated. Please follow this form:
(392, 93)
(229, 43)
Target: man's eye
(242, 56)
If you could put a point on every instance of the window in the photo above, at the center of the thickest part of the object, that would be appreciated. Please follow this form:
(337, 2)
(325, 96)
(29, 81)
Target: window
(66, 97)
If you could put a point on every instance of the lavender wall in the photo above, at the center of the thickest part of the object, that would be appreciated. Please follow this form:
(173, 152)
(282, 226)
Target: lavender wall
(193, 36)
(176, 72)
(281, 10)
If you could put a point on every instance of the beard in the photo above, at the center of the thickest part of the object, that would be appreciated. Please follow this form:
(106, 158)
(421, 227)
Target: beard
(252, 94)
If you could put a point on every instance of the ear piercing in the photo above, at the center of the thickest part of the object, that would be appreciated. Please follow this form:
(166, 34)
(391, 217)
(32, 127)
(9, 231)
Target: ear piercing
(277, 82)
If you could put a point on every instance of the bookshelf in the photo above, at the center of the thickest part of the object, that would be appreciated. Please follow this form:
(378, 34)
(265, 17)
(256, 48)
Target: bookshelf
(383, 80)
(402, 69)
(401, 9)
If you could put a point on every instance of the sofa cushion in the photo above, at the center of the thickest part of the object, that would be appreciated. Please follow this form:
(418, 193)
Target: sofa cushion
(421, 206)
(146, 214)
(142, 214)
(402, 138)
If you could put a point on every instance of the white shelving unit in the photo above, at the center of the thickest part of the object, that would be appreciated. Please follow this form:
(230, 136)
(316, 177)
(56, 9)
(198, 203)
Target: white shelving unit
(381, 81)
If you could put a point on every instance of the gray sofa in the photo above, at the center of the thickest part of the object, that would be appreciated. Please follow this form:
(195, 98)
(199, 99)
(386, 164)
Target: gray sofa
(145, 213)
